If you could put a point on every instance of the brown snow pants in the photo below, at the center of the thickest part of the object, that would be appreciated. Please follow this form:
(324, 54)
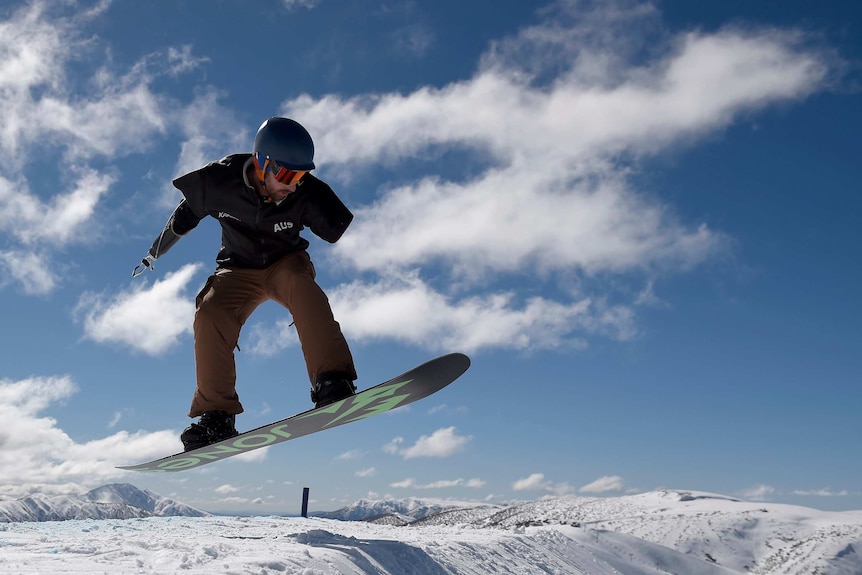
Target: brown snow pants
(226, 302)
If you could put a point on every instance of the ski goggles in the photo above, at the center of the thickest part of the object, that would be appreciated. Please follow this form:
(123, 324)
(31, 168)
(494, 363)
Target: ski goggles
(286, 176)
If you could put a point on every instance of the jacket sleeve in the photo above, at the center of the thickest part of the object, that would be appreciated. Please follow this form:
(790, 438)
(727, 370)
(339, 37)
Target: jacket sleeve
(325, 215)
(182, 221)
(193, 189)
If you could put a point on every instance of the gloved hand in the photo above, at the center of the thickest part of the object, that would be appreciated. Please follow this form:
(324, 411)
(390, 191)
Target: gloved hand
(146, 263)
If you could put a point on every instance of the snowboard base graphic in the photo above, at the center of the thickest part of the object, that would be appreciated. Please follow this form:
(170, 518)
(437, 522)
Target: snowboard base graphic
(408, 387)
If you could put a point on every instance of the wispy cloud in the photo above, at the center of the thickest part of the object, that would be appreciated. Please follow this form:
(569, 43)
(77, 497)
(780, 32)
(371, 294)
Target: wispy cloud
(118, 415)
(32, 220)
(299, 4)
(350, 455)
(367, 472)
(42, 103)
(825, 492)
(35, 228)
(30, 270)
(606, 484)
(413, 40)
(79, 120)
(757, 492)
(410, 483)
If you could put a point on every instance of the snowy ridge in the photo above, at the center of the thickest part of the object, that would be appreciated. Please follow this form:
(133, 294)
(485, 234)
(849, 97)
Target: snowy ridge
(117, 501)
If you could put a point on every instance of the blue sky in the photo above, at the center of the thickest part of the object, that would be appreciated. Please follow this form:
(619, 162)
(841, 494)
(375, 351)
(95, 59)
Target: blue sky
(640, 220)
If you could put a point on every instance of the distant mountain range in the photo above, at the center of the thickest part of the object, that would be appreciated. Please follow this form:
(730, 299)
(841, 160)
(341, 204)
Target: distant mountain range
(116, 501)
(398, 511)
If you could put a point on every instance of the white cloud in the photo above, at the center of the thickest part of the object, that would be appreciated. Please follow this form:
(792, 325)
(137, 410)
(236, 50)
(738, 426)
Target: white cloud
(536, 482)
(118, 415)
(208, 128)
(76, 118)
(555, 192)
(226, 488)
(540, 225)
(29, 269)
(146, 318)
(37, 454)
(604, 485)
(474, 483)
(256, 455)
(393, 447)
(271, 339)
(182, 60)
(41, 103)
(758, 492)
(292, 5)
(442, 443)
(550, 129)
(350, 455)
(57, 222)
(444, 483)
(413, 39)
(238, 500)
(410, 483)
(367, 472)
(40, 227)
(825, 492)
(533, 482)
(408, 309)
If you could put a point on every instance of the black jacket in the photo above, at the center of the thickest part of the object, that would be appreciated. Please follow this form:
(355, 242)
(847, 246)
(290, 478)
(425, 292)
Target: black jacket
(255, 233)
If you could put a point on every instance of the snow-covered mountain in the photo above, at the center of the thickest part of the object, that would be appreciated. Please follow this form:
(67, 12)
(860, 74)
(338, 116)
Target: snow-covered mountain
(116, 501)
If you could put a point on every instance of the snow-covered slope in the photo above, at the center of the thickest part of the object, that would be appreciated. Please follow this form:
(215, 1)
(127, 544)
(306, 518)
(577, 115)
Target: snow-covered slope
(659, 533)
(117, 501)
(279, 545)
(745, 537)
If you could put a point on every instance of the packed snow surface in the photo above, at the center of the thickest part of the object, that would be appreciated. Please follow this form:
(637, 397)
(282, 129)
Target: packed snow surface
(654, 533)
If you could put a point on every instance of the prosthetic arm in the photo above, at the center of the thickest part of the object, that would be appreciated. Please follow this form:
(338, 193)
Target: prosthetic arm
(181, 222)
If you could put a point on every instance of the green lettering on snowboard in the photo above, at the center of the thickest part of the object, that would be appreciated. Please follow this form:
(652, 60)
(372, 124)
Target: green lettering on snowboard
(368, 403)
(241, 443)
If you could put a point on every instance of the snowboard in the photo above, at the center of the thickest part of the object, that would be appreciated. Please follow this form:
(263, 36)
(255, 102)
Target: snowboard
(416, 384)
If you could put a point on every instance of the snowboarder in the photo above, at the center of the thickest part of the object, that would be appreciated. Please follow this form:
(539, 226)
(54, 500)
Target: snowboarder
(262, 201)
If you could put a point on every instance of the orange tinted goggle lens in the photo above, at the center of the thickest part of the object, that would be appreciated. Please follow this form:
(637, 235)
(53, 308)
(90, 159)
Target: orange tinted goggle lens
(284, 175)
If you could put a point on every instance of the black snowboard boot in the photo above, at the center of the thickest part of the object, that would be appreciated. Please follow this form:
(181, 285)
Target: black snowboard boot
(213, 426)
(331, 387)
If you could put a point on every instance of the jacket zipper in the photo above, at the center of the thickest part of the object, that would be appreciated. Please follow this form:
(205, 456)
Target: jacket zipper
(260, 241)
